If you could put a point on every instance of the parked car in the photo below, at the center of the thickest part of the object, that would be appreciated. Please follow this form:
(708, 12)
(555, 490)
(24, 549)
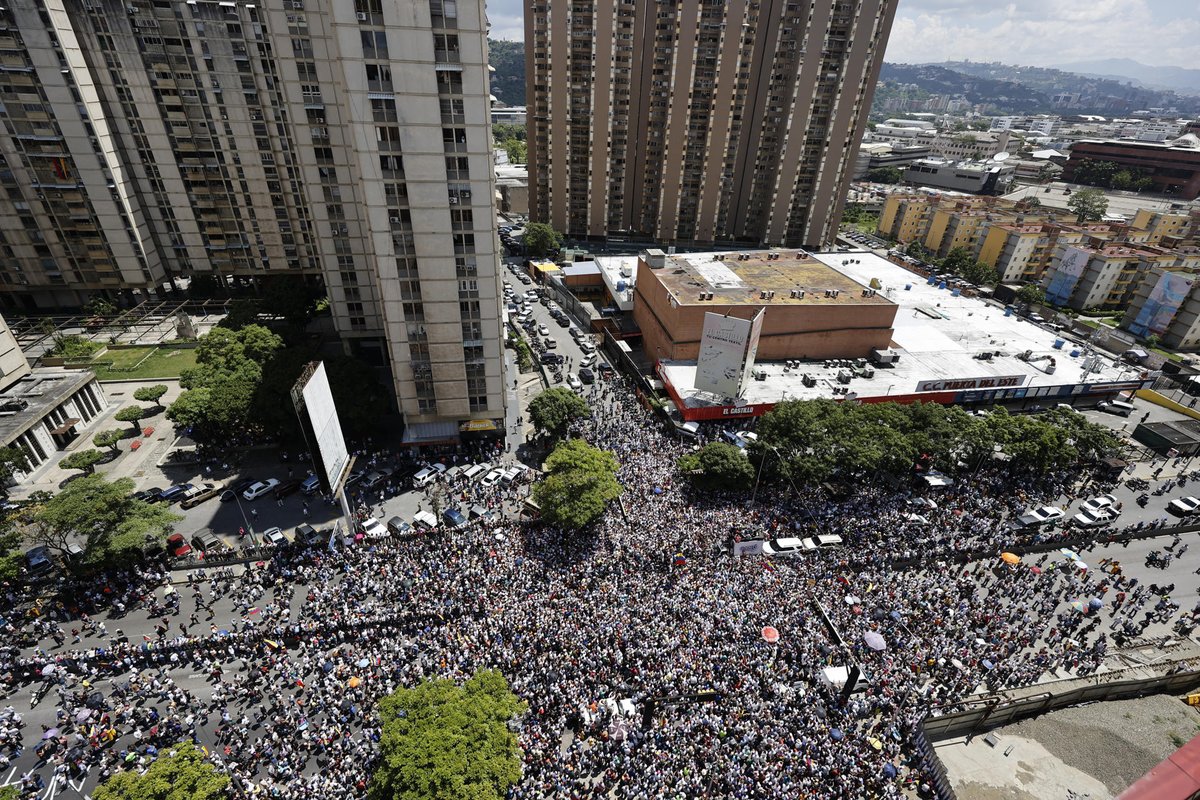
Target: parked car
(587, 376)
(399, 527)
(1035, 517)
(177, 546)
(311, 485)
(492, 478)
(1184, 506)
(198, 494)
(275, 537)
(257, 490)
(573, 381)
(147, 495)
(373, 528)
(173, 493)
(38, 562)
(207, 543)
(287, 488)
(428, 475)
(309, 536)
(375, 478)
(236, 488)
(1095, 518)
(1098, 503)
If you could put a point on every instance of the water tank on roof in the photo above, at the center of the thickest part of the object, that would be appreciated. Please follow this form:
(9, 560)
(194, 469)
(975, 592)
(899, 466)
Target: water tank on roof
(956, 293)
(1074, 354)
(1058, 344)
(932, 280)
(1008, 311)
(942, 285)
(622, 286)
(908, 287)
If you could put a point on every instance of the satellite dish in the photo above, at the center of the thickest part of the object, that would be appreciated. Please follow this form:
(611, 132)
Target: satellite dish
(1001, 156)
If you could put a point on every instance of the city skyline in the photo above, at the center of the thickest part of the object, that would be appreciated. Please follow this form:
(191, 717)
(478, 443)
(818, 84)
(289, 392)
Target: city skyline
(1024, 32)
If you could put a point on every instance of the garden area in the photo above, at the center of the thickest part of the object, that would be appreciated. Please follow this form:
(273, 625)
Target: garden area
(139, 363)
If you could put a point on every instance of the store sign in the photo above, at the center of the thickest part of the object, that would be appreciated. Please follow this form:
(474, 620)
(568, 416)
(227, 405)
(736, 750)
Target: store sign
(963, 384)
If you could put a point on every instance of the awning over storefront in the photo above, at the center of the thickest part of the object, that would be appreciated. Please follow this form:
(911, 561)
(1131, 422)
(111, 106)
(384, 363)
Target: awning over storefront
(65, 427)
(545, 267)
(477, 425)
(430, 432)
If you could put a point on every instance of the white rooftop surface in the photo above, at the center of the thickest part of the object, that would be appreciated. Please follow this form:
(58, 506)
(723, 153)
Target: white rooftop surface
(610, 271)
(942, 346)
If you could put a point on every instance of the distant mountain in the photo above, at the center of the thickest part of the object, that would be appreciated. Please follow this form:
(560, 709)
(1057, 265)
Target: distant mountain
(508, 81)
(1184, 81)
(1003, 95)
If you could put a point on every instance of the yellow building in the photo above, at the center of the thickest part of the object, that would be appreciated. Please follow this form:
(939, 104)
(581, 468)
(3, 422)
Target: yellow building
(1158, 224)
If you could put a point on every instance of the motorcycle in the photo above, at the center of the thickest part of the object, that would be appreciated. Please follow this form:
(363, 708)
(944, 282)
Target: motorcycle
(1143, 499)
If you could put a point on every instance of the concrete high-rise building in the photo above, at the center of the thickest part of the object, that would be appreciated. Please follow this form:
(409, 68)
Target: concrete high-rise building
(343, 143)
(697, 122)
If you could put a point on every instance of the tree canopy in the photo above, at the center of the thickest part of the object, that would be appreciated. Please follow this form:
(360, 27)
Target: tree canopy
(112, 524)
(180, 773)
(811, 441)
(717, 465)
(553, 410)
(132, 415)
(13, 459)
(244, 378)
(150, 394)
(541, 240)
(1089, 205)
(885, 175)
(85, 460)
(440, 740)
(108, 438)
(580, 480)
(1111, 175)
(1031, 294)
(960, 261)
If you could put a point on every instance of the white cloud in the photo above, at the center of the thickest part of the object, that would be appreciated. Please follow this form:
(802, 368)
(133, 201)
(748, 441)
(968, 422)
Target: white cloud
(1045, 32)
(1030, 32)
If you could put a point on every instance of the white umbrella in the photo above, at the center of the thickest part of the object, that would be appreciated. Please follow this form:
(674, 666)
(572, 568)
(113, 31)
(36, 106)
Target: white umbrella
(874, 640)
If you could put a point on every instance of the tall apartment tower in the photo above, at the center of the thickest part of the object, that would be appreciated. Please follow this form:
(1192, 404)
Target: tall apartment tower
(702, 121)
(343, 143)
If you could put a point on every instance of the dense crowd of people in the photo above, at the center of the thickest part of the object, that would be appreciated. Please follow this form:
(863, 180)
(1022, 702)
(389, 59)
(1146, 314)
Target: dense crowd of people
(639, 645)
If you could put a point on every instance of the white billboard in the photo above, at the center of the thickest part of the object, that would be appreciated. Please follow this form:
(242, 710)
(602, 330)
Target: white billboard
(752, 347)
(329, 454)
(722, 355)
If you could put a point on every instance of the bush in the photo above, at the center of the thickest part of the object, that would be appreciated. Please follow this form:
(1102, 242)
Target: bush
(70, 346)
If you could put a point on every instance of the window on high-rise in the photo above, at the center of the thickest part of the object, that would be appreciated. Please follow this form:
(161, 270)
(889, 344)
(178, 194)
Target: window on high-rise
(374, 44)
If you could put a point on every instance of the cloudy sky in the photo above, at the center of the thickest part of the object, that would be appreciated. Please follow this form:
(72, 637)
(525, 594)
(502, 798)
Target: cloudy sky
(1028, 32)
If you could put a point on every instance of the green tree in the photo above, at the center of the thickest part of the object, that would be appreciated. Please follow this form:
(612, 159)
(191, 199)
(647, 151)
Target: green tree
(503, 131)
(1088, 204)
(108, 439)
(956, 260)
(10, 792)
(290, 298)
(580, 480)
(85, 460)
(73, 347)
(113, 524)
(554, 409)
(980, 273)
(541, 240)
(717, 465)
(13, 459)
(150, 394)
(885, 175)
(180, 773)
(439, 740)
(242, 312)
(132, 414)
(1031, 294)
(1028, 203)
(222, 387)
(918, 250)
(100, 306)
(516, 149)
(11, 556)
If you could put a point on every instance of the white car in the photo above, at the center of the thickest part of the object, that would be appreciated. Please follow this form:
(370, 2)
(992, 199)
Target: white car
(1097, 503)
(543, 330)
(257, 490)
(573, 381)
(428, 475)
(1184, 506)
(492, 478)
(790, 546)
(1040, 516)
(1095, 518)
(274, 537)
(374, 529)
(586, 346)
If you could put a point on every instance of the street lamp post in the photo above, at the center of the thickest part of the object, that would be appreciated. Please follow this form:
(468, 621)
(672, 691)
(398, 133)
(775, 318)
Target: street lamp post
(253, 538)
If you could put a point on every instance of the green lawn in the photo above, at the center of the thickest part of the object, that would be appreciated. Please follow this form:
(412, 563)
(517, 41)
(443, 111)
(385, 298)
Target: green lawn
(163, 362)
